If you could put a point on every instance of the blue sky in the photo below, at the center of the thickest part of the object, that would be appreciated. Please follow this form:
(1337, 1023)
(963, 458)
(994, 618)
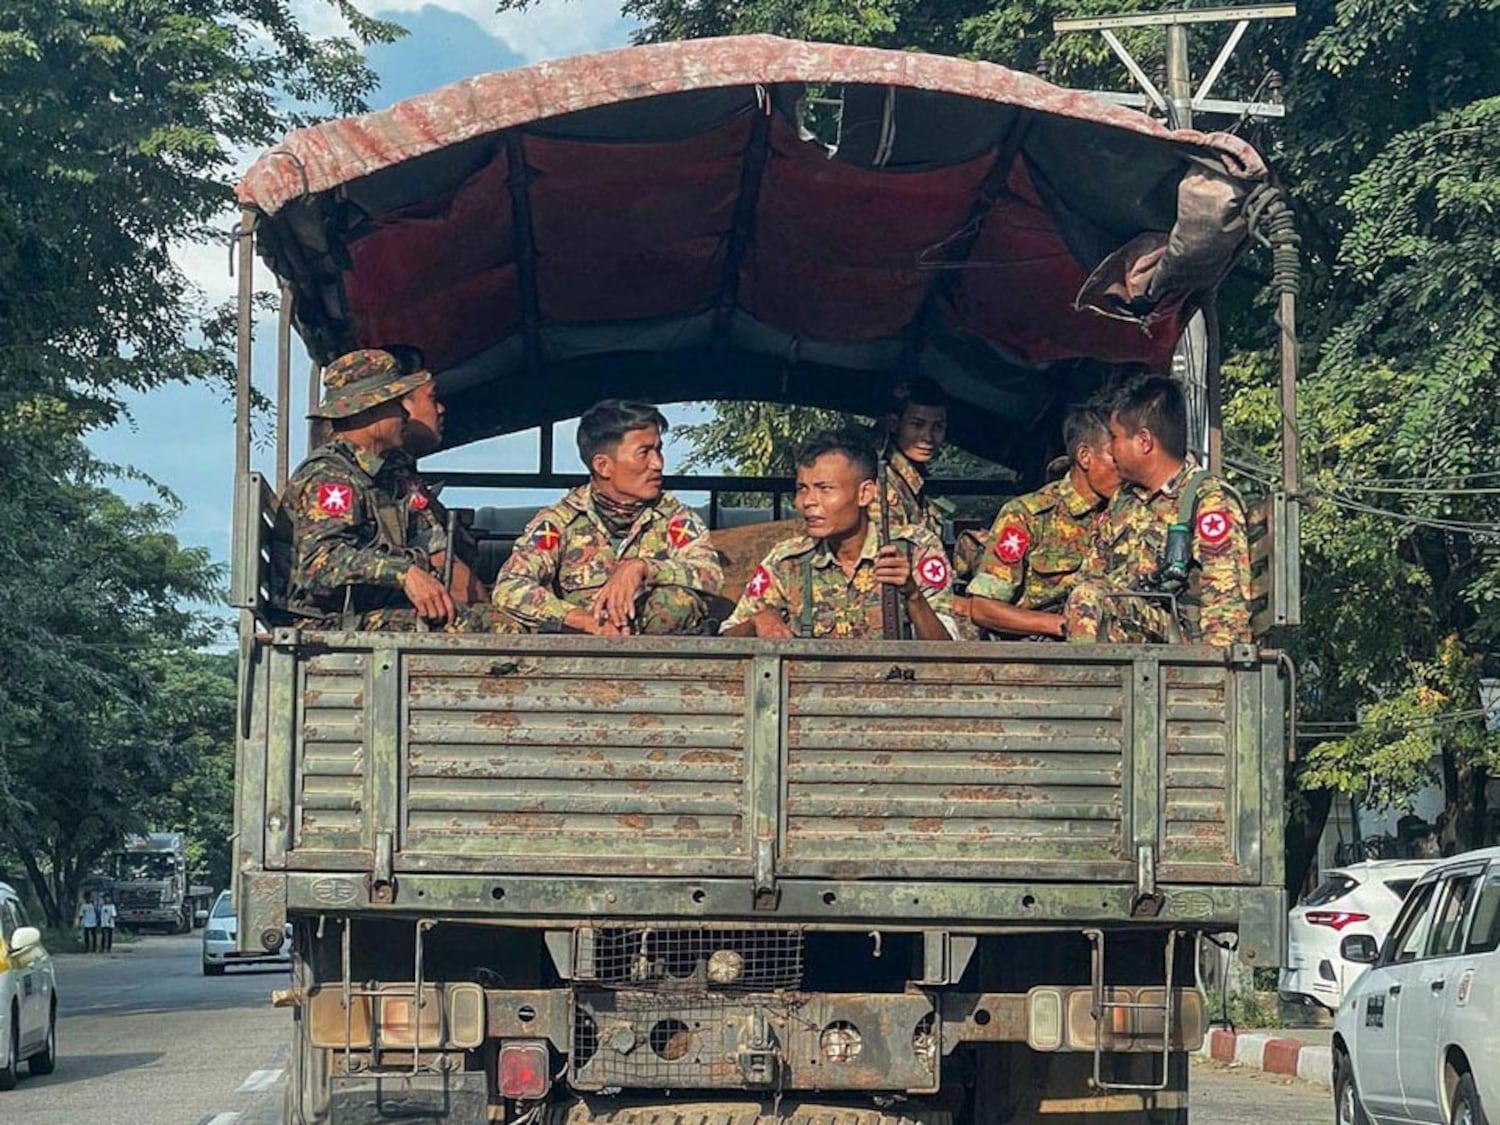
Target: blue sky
(183, 436)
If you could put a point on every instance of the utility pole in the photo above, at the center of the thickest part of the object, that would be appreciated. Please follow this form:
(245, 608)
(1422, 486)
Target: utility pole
(1196, 359)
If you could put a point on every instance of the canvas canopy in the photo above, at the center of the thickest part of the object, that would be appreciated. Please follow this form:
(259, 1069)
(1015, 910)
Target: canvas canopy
(755, 218)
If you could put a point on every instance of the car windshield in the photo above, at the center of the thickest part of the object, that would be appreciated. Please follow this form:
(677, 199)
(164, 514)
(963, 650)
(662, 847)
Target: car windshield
(1332, 888)
(224, 908)
(145, 866)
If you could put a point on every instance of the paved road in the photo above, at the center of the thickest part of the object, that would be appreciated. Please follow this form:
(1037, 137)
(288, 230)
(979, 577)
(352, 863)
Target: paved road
(146, 1039)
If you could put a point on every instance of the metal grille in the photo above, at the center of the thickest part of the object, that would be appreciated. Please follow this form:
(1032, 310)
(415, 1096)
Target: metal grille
(687, 959)
(648, 1040)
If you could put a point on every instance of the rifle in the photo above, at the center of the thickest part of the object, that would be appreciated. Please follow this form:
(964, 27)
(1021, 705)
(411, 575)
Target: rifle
(892, 626)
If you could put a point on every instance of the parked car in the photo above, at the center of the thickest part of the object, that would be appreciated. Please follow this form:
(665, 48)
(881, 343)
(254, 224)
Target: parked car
(1362, 898)
(220, 945)
(1418, 1039)
(28, 995)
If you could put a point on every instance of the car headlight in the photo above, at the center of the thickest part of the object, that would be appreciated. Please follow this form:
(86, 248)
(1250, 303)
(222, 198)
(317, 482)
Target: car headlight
(216, 935)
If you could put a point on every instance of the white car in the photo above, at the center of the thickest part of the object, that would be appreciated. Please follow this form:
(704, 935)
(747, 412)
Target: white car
(1418, 1037)
(28, 995)
(1359, 899)
(221, 946)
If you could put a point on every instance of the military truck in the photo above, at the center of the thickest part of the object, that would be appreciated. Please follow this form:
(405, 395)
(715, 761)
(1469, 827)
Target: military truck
(692, 879)
(151, 885)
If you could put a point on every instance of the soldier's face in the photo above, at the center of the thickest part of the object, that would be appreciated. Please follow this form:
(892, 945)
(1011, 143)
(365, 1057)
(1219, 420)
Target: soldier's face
(422, 431)
(1099, 467)
(634, 470)
(1131, 451)
(921, 431)
(833, 496)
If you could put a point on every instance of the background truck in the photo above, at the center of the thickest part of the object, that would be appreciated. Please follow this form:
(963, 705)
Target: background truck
(151, 884)
(692, 879)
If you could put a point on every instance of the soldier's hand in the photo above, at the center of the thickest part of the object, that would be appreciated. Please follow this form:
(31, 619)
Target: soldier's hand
(615, 602)
(428, 595)
(770, 624)
(893, 568)
(583, 621)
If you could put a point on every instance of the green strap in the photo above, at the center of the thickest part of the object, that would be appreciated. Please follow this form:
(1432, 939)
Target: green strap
(1187, 503)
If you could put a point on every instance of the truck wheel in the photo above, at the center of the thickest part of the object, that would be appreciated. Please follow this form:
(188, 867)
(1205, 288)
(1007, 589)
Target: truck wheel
(1466, 1107)
(10, 1061)
(46, 1061)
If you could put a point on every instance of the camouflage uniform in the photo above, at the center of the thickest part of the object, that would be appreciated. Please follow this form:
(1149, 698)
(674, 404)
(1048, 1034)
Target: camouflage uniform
(358, 524)
(905, 497)
(802, 579)
(1215, 607)
(567, 553)
(1036, 549)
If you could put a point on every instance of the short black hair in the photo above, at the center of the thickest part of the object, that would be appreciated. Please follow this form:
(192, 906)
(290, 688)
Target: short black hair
(605, 424)
(853, 446)
(1084, 424)
(1154, 403)
(920, 391)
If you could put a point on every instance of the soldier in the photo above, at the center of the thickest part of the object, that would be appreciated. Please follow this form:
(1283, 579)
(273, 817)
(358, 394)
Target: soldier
(1037, 547)
(617, 555)
(1173, 529)
(364, 556)
(916, 430)
(828, 582)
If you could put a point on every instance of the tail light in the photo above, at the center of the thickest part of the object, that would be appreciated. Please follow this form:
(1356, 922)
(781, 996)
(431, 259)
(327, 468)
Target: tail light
(525, 1070)
(406, 1022)
(1335, 920)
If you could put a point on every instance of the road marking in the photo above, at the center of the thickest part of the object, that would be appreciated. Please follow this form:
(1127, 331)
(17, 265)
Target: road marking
(223, 1119)
(259, 1080)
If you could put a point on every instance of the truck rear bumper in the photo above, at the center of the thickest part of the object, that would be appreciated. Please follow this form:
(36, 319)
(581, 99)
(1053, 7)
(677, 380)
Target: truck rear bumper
(455, 1098)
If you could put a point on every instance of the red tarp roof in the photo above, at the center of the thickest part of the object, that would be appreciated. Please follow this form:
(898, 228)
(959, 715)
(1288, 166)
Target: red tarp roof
(661, 221)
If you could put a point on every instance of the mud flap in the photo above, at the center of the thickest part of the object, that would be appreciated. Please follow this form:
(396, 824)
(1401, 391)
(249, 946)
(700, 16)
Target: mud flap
(460, 1098)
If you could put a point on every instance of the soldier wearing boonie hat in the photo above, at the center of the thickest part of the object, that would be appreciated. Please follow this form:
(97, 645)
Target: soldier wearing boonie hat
(366, 554)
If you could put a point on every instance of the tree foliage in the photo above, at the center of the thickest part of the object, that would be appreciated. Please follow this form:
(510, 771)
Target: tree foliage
(120, 128)
(1389, 153)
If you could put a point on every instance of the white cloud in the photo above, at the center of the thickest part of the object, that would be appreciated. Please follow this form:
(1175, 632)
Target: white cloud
(548, 29)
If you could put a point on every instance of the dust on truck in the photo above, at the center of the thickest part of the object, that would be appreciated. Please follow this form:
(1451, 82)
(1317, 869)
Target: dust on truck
(694, 879)
(151, 886)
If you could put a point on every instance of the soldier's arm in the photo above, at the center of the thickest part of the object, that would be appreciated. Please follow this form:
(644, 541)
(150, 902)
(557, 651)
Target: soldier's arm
(929, 591)
(690, 560)
(327, 510)
(1224, 618)
(525, 584)
(998, 585)
(763, 594)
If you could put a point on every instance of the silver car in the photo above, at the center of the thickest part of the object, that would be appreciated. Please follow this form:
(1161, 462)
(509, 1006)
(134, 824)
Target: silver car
(221, 946)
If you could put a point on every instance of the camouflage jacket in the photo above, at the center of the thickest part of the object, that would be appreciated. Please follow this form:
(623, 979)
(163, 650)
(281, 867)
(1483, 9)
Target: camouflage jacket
(905, 496)
(802, 579)
(566, 554)
(358, 523)
(1215, 608)
(1036, 549)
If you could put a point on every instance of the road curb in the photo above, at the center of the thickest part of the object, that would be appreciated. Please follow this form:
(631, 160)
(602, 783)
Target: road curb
(1307, 1062)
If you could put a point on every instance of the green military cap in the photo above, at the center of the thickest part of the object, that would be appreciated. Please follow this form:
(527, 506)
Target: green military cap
(356, 381)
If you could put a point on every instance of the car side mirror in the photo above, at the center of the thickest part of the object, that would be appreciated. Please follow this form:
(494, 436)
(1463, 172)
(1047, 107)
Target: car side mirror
(1359, 948)
(24, 938)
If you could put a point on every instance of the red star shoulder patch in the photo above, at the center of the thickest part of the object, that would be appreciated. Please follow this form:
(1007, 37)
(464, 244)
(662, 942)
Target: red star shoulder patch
(1012, 544)
(682, 531)
(335, 498)
(759, 583)
(933, 572)
(1214, 527)
(546, 536)
(419, 499)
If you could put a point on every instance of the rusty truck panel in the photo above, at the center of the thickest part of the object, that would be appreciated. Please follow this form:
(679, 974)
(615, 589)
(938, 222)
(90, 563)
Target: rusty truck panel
(745, 760)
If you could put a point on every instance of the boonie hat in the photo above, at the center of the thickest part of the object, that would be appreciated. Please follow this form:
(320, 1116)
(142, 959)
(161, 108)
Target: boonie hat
(356, 381)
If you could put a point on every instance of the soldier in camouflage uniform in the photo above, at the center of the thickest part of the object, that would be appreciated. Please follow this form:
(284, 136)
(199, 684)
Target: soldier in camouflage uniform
(1035, 552)
(828, 582)
(365, 550)
(1123, 598)
(916, 430)
(617, 555)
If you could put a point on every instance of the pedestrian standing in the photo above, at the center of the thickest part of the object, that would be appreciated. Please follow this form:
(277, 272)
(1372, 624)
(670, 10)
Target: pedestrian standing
(88, 919)
(107, 916)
